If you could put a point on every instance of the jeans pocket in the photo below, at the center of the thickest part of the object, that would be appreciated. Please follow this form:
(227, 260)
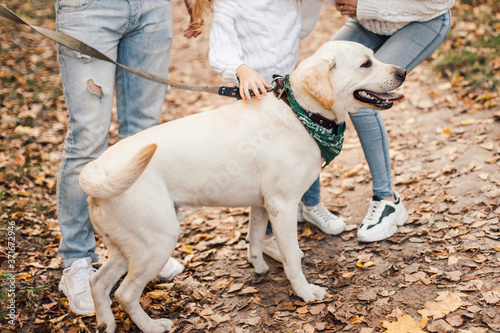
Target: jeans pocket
(72, 5)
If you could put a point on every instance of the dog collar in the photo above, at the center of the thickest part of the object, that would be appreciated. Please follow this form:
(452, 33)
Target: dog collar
(278, 87)
(329, 136)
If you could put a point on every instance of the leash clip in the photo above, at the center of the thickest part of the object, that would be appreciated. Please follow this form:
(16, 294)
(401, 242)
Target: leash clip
(274, 85)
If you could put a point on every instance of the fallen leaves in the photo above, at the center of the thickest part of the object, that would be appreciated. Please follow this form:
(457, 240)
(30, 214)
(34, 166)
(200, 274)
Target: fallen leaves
(405, 324)
(445, 154)
(447, 302)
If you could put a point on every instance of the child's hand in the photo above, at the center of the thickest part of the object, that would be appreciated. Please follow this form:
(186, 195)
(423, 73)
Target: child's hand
(250, 79)
(195, 23)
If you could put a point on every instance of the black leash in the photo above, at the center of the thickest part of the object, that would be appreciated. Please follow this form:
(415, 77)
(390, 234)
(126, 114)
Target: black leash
(81, 47)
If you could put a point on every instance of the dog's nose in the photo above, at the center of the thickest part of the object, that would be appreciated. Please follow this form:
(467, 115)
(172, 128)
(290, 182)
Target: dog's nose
(401, 74)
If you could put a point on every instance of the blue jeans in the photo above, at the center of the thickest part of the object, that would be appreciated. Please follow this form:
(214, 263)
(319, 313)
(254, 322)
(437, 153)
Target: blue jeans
(136, 33)
(407, 48)
(312, 195)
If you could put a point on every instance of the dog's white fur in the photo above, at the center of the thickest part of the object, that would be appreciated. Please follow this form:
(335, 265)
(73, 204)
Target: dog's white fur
(249, 153)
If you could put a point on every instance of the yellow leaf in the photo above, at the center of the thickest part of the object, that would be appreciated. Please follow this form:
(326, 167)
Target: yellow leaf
(447, 131)
(357, 319)
(456, 80)
(447, 303)
(405, 324)
(40, 179)
(158, 295)
(364, 264)
(187, 249)
(23, 194)
(23, 276)
(307, 232)
(302, 310)
(485, 97)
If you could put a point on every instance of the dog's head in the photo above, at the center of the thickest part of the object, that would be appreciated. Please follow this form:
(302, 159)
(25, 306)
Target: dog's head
(342, 77)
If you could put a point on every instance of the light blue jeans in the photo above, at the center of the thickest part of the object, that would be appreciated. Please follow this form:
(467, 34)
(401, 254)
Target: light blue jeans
(136, 33)
(407, 48)
(312, 196)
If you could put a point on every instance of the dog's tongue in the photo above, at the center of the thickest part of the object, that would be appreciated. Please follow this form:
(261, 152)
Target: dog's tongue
(392, 96)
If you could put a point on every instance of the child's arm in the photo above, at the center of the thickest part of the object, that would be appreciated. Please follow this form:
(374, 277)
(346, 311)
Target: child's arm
(226, 53)
(225, 50)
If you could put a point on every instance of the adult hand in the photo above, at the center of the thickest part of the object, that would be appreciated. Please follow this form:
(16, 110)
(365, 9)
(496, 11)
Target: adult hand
(193, 29)
(250, 79)
(347, 7)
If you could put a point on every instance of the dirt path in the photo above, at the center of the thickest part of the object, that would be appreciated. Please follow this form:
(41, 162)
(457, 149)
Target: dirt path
(445, 161)
(439, 273)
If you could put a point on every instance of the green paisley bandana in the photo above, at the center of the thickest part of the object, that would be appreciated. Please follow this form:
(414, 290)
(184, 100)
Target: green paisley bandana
(330, 144)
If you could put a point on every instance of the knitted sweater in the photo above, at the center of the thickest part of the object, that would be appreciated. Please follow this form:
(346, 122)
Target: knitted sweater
(385, 17)
(263, 34)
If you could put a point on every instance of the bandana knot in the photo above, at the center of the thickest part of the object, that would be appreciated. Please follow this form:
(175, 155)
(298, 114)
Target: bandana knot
(329, 142)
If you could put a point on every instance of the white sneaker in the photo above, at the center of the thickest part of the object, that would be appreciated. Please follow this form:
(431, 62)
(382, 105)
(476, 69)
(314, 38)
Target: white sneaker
(325, 220)
(171, 269)
(75, 286)
(300, 218)
(382, 219)
(270, 248)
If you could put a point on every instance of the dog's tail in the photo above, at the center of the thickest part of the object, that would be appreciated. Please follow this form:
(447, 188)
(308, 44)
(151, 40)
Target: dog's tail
(97, 184)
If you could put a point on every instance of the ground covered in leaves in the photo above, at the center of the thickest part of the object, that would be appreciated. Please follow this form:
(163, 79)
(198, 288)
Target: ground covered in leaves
(439, 273)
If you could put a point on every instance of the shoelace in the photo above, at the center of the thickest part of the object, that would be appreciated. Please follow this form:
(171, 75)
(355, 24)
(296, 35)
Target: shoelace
(374, 210)
(82, 275)
(322, 212)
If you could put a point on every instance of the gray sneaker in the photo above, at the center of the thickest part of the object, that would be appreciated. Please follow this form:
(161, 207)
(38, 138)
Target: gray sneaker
(322, 218)
(75, 286)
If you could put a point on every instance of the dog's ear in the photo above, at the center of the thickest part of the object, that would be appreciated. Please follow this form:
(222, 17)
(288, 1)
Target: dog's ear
(318, 84)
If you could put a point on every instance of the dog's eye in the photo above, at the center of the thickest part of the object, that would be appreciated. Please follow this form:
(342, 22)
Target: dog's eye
(367, 64)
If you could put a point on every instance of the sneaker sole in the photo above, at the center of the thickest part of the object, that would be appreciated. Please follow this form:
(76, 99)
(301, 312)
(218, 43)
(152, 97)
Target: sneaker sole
(400, 220)
(72, 306)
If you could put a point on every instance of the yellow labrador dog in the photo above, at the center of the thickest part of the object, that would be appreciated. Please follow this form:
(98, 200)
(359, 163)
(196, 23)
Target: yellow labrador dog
(250, 153)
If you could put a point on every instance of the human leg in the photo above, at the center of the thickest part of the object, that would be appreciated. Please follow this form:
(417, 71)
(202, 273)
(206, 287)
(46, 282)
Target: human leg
(411, 45)
(406, 48)
(312, 195)
(375, 144)
(145, 46)
(88, 88)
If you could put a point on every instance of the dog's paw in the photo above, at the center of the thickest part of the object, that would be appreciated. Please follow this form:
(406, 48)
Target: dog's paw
(260, 266)
(161, 325)
(312, 293)
(106, 328)
(102, 328)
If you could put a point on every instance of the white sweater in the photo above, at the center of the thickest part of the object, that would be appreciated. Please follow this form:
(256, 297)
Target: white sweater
(263, 34)
(385, 17)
